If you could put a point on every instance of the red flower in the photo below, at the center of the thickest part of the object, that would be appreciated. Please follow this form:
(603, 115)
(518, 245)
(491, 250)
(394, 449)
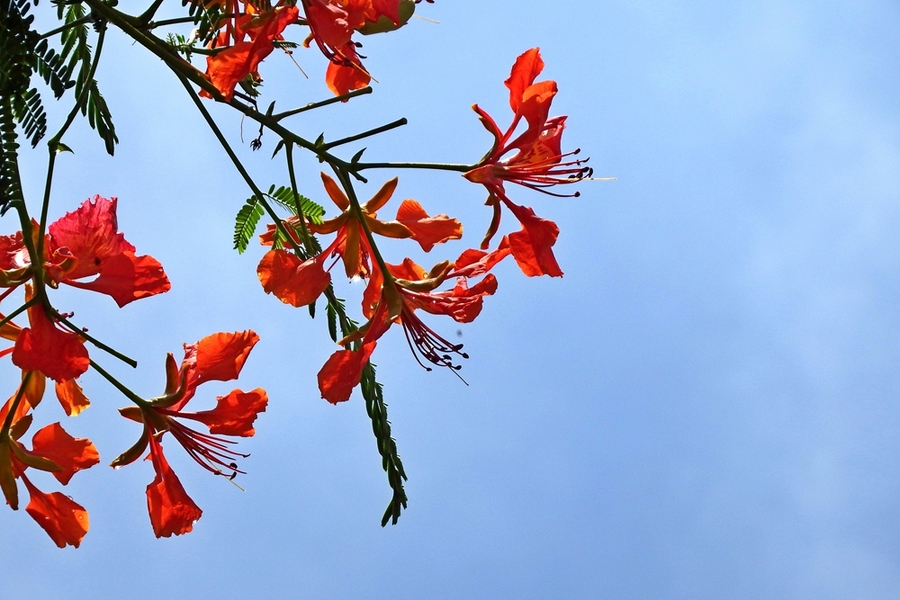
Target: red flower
(231, 65)
(532, 159)
(86, 243)
(332, 24)
(55, 451)
(69, 393)
(221, 357)
(172, 511)
(410, 288)
(299, 282)
(43, 347)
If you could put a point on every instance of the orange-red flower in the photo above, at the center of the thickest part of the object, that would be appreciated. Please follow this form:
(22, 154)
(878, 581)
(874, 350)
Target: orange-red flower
(55, 451)
(44, 347)
(409, 288)
(85, 249)
(533, 159)
(299, 282)
(221, 357)
(69, 393)
(252, 37)
(332, 24)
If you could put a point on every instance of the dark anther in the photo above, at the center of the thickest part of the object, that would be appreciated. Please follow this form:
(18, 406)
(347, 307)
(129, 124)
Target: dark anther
(98, 21)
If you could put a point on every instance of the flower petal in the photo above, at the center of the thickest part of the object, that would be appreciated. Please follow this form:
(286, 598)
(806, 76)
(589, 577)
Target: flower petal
(535, 107)
(71, 397)
(388, 8)
(13, 253)
(473, 263)
(91, 234)
(293, 281)
(426, 230)
(127, 277)
(526, 68)
(172, 512)
(232, 64)
(381, 197)
(342, 372)
(64, 520)
(342, 79)
(59, 355)
(221, 356)
(234, 414)
(532, 246)
(72, 454)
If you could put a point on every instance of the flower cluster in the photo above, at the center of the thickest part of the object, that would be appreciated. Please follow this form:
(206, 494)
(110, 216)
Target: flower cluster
(85, 249)
(394, 292)
(302, 251)
(254, 28)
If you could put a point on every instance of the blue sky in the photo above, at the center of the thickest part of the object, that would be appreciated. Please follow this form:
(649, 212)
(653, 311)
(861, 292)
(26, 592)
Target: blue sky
(703, 407)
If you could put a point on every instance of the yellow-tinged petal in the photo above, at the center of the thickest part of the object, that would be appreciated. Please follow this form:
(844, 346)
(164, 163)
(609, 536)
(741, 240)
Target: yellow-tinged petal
(334, 192)
(391, 229)
(381, 197)
(34, 387)
(71, 397)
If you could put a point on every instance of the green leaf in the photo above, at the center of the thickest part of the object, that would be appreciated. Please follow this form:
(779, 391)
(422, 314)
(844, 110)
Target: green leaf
(373, 394)
(245, 223)
(286, 198)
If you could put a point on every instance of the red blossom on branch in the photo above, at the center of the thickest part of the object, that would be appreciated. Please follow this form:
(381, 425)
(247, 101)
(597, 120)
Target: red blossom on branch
(408, 288)
(44, 347)
(332, 24)
(252, 36)
(85, 249)
(220, 357)
(533, 159)
(299, 282)
(52, 450)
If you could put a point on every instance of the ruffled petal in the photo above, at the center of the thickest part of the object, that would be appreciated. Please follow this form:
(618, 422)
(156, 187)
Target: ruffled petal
(342, 79)
(291, 280)
(329, 23)
(342, 372)
(463, 304)
(13, 253)
(532, 247)
(535, 107)
(473, 263)
(234, 414)
(91, 234)
(59, 355)
(526, 68)
(426, 230)
(127, 277)
(231, 65)
(221, 356)
(72, 454)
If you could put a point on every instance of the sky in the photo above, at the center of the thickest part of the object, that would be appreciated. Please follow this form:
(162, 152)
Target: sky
(704, 406)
